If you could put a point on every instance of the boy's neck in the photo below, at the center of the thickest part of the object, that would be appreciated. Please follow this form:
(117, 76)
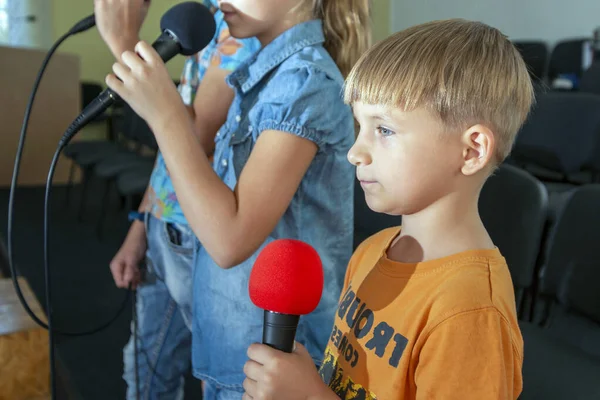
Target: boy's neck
(449, 226)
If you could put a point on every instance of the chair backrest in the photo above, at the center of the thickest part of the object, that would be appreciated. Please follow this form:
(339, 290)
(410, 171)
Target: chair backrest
(366, 221)
(571, 274)
(568, 299)
(135, 129)
(142, 133)
(562, 133)
(567, 58)
(514, 207)
(535, 55)
(590, 80)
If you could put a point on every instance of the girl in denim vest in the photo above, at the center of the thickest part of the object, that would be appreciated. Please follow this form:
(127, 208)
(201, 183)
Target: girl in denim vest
(279, 168)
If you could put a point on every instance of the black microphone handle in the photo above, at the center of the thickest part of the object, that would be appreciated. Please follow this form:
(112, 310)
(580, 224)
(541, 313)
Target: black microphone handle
(279, 330)
(167, 46)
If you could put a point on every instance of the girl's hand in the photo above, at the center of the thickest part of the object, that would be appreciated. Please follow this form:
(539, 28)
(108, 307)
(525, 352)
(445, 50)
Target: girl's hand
(142, 80)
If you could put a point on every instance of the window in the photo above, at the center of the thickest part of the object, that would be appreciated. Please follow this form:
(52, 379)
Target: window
(3, 21)
(26, 23)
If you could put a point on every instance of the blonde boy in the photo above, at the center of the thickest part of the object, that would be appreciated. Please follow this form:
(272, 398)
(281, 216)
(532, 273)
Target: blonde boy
(428, 309)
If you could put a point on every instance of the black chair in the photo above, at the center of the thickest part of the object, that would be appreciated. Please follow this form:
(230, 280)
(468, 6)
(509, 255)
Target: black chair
(123, 148)
(568, 298)
(566, 58)
(560, 141)
(89, 91)
(554, 370)
(133, 184)
(590, 80)
(366, 221)
(112, 167)
(84, 153)
(535, 55)
(513, 206)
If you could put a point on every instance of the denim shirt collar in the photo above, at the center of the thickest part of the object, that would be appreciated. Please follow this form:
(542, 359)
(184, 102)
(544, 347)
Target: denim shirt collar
(273, 54)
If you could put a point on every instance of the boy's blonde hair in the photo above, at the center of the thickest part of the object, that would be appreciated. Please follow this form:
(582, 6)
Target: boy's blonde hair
(464, 72)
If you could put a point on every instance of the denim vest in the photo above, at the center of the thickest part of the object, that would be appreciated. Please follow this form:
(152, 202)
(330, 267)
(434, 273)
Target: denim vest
(291, 85)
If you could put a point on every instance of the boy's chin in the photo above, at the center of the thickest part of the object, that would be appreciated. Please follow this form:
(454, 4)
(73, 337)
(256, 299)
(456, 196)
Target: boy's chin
(380, 206)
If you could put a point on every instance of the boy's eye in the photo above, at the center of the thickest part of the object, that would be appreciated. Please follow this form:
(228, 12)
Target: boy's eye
(384, 131)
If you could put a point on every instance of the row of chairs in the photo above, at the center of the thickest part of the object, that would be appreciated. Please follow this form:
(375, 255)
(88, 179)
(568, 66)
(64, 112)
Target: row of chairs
(123, 160)
(545, 65)
(555, 273)
(560, 141)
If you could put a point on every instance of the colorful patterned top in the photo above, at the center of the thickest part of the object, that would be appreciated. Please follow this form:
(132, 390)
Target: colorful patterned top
(224, 51)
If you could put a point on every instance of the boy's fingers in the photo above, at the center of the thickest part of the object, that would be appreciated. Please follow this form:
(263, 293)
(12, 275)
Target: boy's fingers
(252, 370)
(249, 386)
(261, 353)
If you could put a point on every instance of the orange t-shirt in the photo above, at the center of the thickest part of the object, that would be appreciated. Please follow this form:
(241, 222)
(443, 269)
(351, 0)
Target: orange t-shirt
(440, 329)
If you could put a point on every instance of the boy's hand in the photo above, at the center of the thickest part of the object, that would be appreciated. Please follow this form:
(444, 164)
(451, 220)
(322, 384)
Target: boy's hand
(142, 80)
(272, 374)
(125, 264)
(119, 22)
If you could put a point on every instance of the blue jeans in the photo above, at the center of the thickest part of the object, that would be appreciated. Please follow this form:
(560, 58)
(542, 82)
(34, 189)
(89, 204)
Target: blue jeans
(164, 312)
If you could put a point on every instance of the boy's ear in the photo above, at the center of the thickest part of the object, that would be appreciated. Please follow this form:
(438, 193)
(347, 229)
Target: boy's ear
(479, 146)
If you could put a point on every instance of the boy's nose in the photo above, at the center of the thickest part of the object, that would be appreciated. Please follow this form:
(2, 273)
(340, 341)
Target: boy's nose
(358, 155)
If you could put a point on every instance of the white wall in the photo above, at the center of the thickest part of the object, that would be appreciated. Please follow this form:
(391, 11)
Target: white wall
(549, 20)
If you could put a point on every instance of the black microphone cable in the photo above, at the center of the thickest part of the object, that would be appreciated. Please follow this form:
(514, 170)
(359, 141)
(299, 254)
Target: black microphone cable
(81, 26)
(84, 24)
(182, 34)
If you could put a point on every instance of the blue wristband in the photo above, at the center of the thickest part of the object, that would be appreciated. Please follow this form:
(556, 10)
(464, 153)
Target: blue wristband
(134, 215)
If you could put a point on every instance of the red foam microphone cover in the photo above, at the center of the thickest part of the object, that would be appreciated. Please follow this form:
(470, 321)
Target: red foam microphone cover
(287, 278)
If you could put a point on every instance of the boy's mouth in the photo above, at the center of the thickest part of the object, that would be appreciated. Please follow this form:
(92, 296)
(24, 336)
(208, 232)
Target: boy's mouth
(366, 182)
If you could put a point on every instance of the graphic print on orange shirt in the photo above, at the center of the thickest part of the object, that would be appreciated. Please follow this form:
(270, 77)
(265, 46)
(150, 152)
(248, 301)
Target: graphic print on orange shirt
(358, 321)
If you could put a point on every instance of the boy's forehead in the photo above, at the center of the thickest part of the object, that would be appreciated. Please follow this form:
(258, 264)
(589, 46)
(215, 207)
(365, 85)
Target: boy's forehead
(378, 111)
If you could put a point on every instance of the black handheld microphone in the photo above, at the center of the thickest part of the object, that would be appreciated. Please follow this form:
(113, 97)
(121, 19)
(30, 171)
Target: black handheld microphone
(186, 29)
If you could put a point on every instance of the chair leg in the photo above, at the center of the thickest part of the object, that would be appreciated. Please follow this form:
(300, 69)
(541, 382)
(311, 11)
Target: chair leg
(69, 184)
(103, 207)
(87, 174)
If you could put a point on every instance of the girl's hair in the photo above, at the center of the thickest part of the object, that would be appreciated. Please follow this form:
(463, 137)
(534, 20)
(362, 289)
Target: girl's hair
(347, 29)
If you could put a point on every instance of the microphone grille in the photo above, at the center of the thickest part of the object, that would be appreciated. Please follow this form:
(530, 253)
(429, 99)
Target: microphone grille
(192, 23)
(287, 278)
